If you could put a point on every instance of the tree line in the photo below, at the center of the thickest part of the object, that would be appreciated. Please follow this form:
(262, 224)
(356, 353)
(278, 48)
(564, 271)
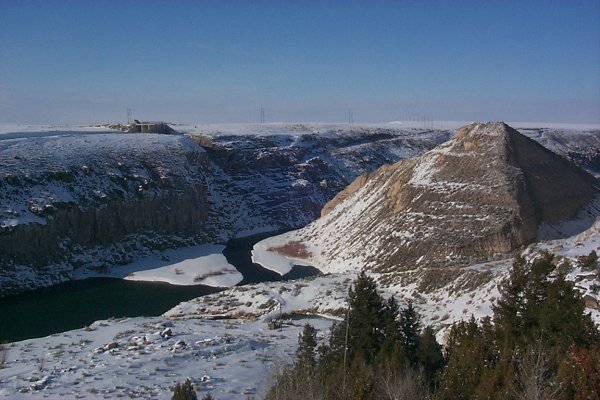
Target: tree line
(539, 344)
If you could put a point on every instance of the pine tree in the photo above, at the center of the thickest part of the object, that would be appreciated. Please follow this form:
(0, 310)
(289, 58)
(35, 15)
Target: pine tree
(365, 319)
(409, 328)
(537, 323)
(512, 302)
(331, 355)
(466, 361)
(429, 356)
(361, 385)
(184, 391)
(539, 306)
(330, 366)
(391, 327)
(306, 351)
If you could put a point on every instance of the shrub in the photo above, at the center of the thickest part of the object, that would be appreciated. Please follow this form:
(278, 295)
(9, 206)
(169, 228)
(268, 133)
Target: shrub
(184, 391)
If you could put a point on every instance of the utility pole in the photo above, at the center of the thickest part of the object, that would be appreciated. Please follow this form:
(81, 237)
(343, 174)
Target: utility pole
(262, 115)
(346, 346)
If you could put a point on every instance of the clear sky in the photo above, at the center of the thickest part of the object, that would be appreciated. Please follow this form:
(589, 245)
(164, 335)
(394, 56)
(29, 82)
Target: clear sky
(304, 61)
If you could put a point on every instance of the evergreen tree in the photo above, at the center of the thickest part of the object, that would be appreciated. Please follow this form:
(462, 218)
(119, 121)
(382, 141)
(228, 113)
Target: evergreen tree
(372, 326)
(184, 391)
(365, 319)
(539, 344)
(361, 383)
(331, 355)
(462, 374)
(538, 305)
(391, 327)
(409, 329)
(306, 351)
(330, 366)
(537, 322)
(429, 356)
(512, 302)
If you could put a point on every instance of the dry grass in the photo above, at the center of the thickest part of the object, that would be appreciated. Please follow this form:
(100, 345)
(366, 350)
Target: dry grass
(198, 278)
(294, 249)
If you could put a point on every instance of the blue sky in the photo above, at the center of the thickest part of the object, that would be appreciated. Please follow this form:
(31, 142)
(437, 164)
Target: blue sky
(220, 61)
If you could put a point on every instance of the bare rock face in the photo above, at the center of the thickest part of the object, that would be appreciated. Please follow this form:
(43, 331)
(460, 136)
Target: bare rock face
(172, 213)
(485, 192)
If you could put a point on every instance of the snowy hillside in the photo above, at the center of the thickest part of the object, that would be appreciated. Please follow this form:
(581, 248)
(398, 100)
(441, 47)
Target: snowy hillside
(145, 357)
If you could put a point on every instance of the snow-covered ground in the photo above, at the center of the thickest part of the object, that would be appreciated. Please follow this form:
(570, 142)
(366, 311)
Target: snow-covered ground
(23, 131)
(473, 294)
(274, 261)
(47, 168)
(145, 357)
(195, 265)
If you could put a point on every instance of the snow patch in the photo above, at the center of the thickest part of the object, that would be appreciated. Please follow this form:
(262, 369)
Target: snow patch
(196, 265)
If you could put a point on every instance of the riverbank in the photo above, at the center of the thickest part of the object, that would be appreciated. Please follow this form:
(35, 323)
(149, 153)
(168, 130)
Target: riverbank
(147, 287)
(196, 265)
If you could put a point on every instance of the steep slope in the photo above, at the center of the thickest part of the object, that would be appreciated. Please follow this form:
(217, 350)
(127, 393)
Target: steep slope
(579, 146)
(482, 194)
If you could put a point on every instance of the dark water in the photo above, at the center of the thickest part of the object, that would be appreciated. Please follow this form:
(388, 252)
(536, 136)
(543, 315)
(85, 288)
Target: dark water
(72, 305)
(239, 253)
(75, 304)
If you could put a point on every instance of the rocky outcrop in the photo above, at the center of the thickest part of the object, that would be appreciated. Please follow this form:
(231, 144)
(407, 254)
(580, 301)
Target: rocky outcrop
(554, 188)
(482, 194)
(180, 213)
(94, 200)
